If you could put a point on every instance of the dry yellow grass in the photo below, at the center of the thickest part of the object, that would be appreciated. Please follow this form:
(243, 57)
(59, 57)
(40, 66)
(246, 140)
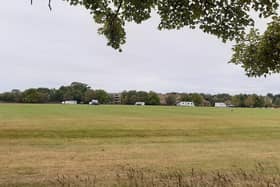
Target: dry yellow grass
(38, 142)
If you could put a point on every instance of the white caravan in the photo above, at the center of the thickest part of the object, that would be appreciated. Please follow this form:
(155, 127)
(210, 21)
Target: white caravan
(186, 103)
(140, 103)
(70, 102)
(220, 105)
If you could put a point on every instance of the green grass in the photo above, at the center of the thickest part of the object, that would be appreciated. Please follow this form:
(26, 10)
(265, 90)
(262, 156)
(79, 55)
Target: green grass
(38, 142)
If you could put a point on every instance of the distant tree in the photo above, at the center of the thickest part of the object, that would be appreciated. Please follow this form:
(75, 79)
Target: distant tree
(209, 99)
(55, 96)
(259, 101)
(32, 96)
(239, 100)
(267, 101)
(186, 97)
(75, 91)
(222, 97)
(133, 96)
(129, 97)
(270, 95)
(102, 96)
(124, 97)
(250, 101)
(142, 96)
(44, 94)
(89, 95)
(16, 95)
(7, 97)
(78, 90)
(170, 99)
(276, 100)
(153, 99)
(254, 101)
(68, 94)
(197, 99)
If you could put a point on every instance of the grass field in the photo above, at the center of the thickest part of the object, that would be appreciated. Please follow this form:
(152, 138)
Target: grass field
(39, 142)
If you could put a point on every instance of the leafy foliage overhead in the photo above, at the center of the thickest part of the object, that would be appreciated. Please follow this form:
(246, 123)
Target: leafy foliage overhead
(260, 54)
(227, 19)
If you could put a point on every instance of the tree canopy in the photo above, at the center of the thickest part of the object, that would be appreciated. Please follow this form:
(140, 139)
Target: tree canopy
(226, 19)
(259, 54)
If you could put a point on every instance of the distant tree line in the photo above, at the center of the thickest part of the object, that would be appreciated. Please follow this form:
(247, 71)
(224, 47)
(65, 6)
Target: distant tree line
(240, 100)
(132, 96)
(83, 93)
(75, 91)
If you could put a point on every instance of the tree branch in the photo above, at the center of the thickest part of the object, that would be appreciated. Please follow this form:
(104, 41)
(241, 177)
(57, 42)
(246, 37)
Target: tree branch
(119, 8)
(49, 4)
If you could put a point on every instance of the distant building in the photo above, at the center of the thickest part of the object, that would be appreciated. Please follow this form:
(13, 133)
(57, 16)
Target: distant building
(140, 103)
(94, 102)
(116, 98)
(70, 102)
(162, 99)
(186, 103)
(220, 105)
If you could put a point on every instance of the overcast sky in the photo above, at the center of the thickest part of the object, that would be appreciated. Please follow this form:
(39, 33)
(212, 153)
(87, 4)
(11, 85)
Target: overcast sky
(39, 48)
